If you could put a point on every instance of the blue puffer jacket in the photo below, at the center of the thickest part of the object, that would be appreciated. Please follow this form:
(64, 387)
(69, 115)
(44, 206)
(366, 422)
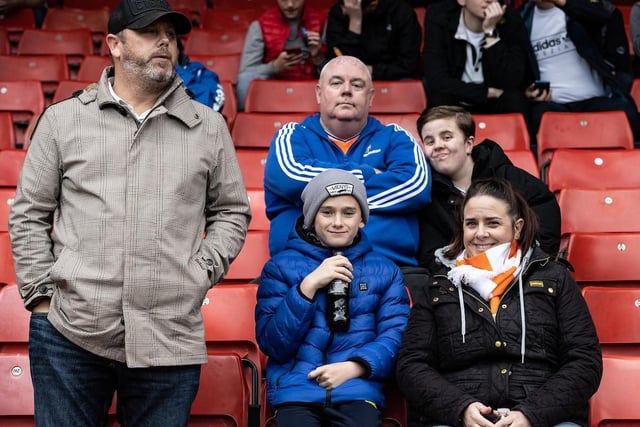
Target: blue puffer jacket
(292, 330)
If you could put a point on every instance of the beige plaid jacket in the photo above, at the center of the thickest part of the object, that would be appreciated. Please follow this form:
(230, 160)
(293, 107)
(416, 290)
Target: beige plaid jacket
(109, 218)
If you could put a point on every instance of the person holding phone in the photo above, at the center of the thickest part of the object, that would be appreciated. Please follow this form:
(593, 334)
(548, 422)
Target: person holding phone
(384, 34)
(285, 42)
(589, 70)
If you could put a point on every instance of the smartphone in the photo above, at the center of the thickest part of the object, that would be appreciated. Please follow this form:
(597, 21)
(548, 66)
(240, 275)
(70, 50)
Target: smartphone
(293, 50)
(541, 85)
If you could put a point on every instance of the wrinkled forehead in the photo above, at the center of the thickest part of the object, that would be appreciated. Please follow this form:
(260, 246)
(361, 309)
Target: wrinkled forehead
(347, 68)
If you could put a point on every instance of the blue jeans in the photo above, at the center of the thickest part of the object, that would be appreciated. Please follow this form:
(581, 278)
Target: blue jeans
(73, 387)
(349, 414)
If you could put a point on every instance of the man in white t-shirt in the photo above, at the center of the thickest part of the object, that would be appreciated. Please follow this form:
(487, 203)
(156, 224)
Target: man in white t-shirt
(566, 38)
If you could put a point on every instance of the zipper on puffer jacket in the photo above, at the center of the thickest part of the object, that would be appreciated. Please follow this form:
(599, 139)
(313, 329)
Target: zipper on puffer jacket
(327, 400)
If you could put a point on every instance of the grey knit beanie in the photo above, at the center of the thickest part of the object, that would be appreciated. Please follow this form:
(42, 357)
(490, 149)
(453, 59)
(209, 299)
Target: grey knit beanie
(332, 183)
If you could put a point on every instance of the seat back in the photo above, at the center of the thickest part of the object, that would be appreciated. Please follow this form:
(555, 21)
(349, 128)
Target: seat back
(259, 220)
(230, 109)
(254, 254)
(229, 20)
(598, 211)
(205, 42)
(398, 96)
(16, 22)
(252, 163)
(281, 96)
(616, 313)
(92, 66)
(604, 257)
(7, 197)
(11, 161)
(67, 18)
(24, 100)
(7, 276)
(406, 121)
(509, 130)
(5, 44)
(524, 159)
(47, 69)
(601, 129)
(615, 404)
(66, 88)
(7, 133)
(225, 66)
(256, 130)
(593, 168)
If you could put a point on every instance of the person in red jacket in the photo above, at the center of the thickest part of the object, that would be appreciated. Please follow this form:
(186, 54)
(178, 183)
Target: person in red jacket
(285, 42)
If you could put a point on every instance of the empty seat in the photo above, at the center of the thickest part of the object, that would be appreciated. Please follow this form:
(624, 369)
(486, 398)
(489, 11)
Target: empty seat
(5, 45)
(230, 109)
(229, 20)
(615, 404)
(225, 66)
(259, 220)
(8, 276)
(602, 129)
(593, 168)
(398, 96)
(509, 130)
(7, 134)
(604, 257)
(281, 96)
(524, 159)
(256, 130)
(406, 121)
(74, 43)
(248, 265)
(70, 18)
(228, 314)
(7, 196)
(66, 88)
(205, 42)
(16, 22)
(92, 66)
(24, 100)
(616, 313)
(599, 211)
(47, 69)
(11, 161)
(252, 163)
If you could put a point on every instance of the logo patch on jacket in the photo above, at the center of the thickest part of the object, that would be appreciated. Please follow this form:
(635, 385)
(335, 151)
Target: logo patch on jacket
(536, 283)
(363, 286)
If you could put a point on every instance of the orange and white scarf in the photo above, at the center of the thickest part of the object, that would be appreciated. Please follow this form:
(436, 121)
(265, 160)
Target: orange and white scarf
(489, 273)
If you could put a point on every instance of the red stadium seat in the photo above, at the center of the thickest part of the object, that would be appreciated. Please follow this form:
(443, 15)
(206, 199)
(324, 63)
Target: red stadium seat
(281, 96)
(230, 109)
(398, 96)
(7, 133)
(252, 163)
(66, 88)
(93, 4)
(616, 313)
(92, 67)
(509, 130)
(24, 100)
(228, 313)
(5, 44)
(593, 168)
(248, 265)
(75, 44)
(602, 129)
(7, 276)
(11, 161)
(204, 42)
(47, 69)
(16, 22)
(7, 196)
(615, 404)
(604, 257)
(407, 121)
(228, 20)
(256, 130)
(225, 66)
(259, 220)
(524, 159)
(67, 18)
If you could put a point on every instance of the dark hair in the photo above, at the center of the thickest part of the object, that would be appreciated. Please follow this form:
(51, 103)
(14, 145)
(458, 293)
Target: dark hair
(517, 207)
(464, 119)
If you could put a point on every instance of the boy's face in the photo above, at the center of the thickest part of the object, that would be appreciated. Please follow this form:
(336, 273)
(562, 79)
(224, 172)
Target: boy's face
(338, 221)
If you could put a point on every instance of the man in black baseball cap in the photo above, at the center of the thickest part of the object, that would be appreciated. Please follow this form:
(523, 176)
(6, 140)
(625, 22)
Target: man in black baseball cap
(137, 14)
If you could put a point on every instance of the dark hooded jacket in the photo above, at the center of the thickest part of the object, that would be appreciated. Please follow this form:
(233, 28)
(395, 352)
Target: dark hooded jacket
(438, 218)
(550, 381)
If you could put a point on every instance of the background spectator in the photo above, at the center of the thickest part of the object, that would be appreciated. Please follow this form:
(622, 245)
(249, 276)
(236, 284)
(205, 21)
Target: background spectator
(475, 55)
(284, 42)
(384, 34)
